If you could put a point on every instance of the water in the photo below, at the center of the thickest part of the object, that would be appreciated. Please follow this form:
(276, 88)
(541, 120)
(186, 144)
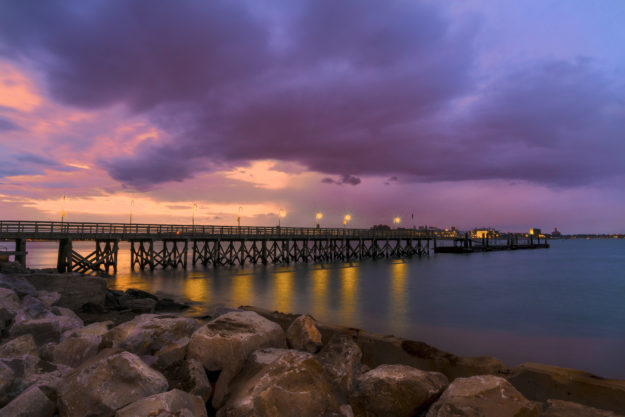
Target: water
(563, 306)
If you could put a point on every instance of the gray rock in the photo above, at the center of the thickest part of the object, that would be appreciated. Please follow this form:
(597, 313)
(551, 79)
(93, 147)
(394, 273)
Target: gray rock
(170, 403)
(7, 376)
(107, 383)
(397, 391)
(9, 304)
(94, 329)
(542, 382)
(484, 395)
(138, 305)
(30, 403)
(172, 353)
(29, 370)
(302, 334)
(189, 376)
(22, 345)
(45, 325)
(225, 343)
(73, 351)
(559, 408)
(292, 385)
(75, 289)
(340, 358)
(149, 333)
(48, 298)
(19, 284)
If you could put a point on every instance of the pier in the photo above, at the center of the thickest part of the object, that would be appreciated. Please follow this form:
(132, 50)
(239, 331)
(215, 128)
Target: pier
(167, 246)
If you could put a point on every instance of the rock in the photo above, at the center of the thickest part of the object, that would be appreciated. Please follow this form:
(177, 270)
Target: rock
(94, 329)
(225, 342)
(29, 370)
(302, 334)
(106, 383)
(75, 289)
(170, 403)
(9, 304)
(46, 351)
(30, 403)
(22, 345)
(189, 376)
(45, 325)
(19, 284)
(559, 408)
(73, 351)
(149, 333)
(167, 304)
(292, 385)
(397, 391)
(138, 305)
(138, 294)
(340, 358)
(485, 395)
(7, 376)
(48, 298)
(172, 353)
(542, 382)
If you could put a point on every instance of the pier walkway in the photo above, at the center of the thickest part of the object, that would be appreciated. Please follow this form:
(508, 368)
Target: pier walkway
(166, 245)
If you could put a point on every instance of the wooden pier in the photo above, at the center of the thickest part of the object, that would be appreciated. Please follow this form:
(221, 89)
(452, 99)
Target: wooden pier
(467, 244)
(167, 246)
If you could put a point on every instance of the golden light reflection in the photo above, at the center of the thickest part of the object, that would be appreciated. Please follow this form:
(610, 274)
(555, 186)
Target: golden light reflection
(283, 291)
(398, 295)
(124, 281)
(349, 294)
(242, 289)
(320, 279)
(196, 289)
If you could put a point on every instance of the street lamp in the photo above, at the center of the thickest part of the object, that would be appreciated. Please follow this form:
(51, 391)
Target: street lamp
(396, 220)
(63, 210)
(239, 216)
(346, 219)
(193, 218)
(132, 204)
(281, 214)
(318, 216)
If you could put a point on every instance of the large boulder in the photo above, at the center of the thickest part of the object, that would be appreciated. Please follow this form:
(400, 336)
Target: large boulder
(397, 391)
(171, 403)
(149, 333)
(485, 395)
(559, 408)
(19, 284)
(340, 358)
(302, 334)
(94, 329)
(76, 290)
(46, 325)
(292, 385)
(189, 376)
(541, 382)
(171, 353)
(30, 403)
(21, 345)
(29, 370)
(73, 351)
(224, 344)
(9, 304)
(107, 383)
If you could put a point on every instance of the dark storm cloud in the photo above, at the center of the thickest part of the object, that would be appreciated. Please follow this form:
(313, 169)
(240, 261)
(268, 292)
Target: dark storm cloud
(365, 87)
(345, 179)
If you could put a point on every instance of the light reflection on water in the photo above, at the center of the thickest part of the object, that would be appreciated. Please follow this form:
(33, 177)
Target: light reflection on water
(561, 306)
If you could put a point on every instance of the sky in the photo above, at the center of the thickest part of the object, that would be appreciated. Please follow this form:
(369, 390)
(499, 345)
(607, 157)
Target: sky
(492, 113)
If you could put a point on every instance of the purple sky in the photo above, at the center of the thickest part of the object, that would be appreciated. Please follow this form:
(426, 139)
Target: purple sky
(484, 113)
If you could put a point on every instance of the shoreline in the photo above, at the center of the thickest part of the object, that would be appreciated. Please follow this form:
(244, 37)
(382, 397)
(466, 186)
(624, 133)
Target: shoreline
(56, 324)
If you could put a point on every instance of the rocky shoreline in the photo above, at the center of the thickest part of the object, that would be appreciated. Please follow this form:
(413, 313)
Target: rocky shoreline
(71, 347)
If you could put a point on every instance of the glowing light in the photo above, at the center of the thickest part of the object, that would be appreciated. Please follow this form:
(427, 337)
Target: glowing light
(281, 214)
(346, 219)
(397, 220)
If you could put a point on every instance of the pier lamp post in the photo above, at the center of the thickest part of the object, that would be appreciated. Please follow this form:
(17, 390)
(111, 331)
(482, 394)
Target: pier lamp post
(396, 221)
(63, 210)
(193, 217)
(239, 216)
(346, 219)
(132, 204)
(318, 216)
(281, 214)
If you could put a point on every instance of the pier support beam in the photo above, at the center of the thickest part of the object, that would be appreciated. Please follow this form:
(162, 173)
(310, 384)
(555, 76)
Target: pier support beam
(64, 260)
(20, 251)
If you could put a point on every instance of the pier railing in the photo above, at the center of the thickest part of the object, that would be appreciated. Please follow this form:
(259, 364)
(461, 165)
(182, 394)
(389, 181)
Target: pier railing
(48, 229)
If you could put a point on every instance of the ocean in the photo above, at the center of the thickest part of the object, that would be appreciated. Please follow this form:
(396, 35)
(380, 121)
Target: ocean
(563, 306)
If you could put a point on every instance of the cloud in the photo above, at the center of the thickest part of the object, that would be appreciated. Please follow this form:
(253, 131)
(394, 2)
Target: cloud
(370, 87)
(7, 125)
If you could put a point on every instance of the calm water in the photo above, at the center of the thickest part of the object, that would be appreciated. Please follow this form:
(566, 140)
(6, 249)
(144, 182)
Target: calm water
(563, 306)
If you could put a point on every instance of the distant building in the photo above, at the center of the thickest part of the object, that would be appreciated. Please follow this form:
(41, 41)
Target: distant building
(535, 231)
(484, 232)
(556, 233)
